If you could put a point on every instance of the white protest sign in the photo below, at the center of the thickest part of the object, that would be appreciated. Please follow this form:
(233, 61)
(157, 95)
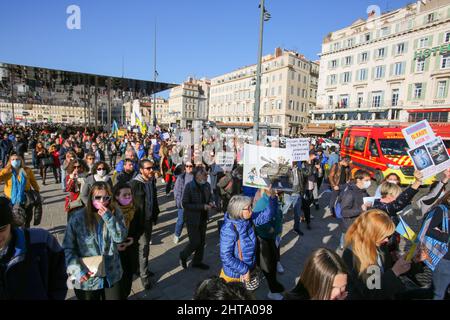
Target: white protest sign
(186, 138)
(430, 158)
(418, 134)
(299, 148)
(225, 160)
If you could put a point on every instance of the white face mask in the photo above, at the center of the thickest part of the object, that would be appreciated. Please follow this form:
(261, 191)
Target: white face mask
(367, 184)
(101, 173)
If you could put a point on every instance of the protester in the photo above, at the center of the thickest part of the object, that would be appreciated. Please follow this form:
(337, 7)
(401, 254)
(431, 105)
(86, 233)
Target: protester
(147, 211)
(238, 241)
(392, 178)
(5, 149)
(324, 277)
(90, 161)
(129, 255)
(100, 173)
(128, 173)
(180, 184)
(197, 201)
(32, 263)
(75, 180)
(19, 180)
(366, 253)
(91, 246)
(216, 288)
(338, 178)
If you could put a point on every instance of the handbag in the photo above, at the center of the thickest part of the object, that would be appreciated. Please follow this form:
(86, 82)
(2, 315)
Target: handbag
(255, 279)
(96, 265)
(49, 161)
(434, 249)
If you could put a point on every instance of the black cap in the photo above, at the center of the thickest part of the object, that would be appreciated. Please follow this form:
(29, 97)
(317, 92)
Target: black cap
(5, 212)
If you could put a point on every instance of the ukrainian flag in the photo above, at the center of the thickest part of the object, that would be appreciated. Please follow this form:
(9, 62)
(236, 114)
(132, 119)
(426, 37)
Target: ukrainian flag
(405, 231)
(115, 129)
(141, 124)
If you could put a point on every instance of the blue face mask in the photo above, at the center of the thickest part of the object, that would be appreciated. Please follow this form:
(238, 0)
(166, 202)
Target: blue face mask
(16, 163)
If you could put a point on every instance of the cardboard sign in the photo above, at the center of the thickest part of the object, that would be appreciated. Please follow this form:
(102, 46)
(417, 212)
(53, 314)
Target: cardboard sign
(225, 160)
(268, 166)
(299, 148)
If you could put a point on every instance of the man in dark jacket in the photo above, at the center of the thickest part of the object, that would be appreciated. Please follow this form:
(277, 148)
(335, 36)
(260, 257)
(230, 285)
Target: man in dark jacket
(5, 149)
(128, 172)
(338, 178)
(182, 180)
(32, 265)
(197, 201)
(146, 215)
(98, 152)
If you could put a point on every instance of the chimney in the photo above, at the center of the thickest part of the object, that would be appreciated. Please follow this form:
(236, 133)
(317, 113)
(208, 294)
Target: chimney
(278, 52)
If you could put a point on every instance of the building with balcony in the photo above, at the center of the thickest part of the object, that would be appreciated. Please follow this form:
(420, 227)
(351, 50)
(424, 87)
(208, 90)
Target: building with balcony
(390, 69)
(189, 102)
(288, 92)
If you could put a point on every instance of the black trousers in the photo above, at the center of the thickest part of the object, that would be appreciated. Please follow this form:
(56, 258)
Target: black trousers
(196, 245)
(144, 249)
(29, 216)
(268, 256)
(130, 265)
(307, 200)
(112, 293)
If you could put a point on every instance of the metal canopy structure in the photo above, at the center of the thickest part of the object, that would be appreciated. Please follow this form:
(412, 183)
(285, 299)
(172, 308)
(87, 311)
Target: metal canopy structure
(33, 86)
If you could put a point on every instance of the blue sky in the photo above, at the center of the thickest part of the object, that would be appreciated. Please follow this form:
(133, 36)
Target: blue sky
(196, 37)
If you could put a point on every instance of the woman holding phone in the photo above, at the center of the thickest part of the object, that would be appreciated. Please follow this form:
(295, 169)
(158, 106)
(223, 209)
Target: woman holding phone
(91, 246)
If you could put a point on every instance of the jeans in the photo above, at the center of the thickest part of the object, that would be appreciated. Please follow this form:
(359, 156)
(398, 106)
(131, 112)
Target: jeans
(34, 159)
(334, 195)
(112, 293)
(144, 249)
(63, 179)
(180, 223)
(441, 279)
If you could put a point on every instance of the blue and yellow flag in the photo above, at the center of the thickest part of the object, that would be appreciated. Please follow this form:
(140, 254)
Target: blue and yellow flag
(115, 129)
(405, 231)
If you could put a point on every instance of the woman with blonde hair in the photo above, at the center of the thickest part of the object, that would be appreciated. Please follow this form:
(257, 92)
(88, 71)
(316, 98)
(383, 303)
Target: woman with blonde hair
(373, 272)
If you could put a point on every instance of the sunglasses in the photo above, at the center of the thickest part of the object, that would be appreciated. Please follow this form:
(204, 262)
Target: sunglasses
(189, 166)
(104, 199)
(76, 167)
(101, 169)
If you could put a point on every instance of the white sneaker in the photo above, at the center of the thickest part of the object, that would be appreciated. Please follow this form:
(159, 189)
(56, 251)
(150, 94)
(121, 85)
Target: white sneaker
(280, 268)
(274, 296)
(176, 239)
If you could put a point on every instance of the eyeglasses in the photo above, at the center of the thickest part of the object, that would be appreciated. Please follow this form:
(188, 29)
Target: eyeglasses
(148, 168)
(104, 199)
(189, 166)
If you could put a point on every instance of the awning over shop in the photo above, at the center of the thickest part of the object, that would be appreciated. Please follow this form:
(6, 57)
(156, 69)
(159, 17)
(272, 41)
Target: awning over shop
(317, 131)
(429, 110)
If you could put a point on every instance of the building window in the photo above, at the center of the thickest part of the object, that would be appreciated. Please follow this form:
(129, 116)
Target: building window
(330, 101)
(376, 99)
(350, 42)
(367, 37)
(420, 65)
(400, 48)
(384, 31)
(332, 79)
(399, 69)
(395, 94)
(346, 77)
(447, 37)
(333, 64)
(431, 17)
(445, 61)
(381, 53)
(364, 56)
(360, 100)
(442, 86)
(348, 60)
(362, 74)
(417, 91)
(344, 101)
(423, 42)
(379, 72)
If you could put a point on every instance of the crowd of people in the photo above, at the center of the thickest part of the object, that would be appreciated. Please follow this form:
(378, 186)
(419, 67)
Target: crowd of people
(111, 202)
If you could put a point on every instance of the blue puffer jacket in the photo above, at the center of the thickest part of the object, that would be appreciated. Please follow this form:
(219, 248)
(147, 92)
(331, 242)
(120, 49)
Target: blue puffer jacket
(234, 230)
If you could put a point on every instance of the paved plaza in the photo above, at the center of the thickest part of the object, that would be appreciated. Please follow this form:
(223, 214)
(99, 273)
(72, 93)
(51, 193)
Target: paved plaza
(170, 280)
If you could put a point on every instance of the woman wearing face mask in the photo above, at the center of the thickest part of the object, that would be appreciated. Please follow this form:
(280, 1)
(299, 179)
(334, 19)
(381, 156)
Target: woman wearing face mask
(373, 272)
(100, 173)
(324, 277)
(75, 180)
(128, 250)
(91, 246)
(392, 178)
(19, 179)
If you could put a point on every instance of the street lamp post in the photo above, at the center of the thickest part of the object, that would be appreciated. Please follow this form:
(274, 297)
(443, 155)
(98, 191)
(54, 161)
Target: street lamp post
(264, 16)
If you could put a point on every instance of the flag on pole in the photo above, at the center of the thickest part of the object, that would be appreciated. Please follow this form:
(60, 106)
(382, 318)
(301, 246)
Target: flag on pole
(405, 231)
(115, 129)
